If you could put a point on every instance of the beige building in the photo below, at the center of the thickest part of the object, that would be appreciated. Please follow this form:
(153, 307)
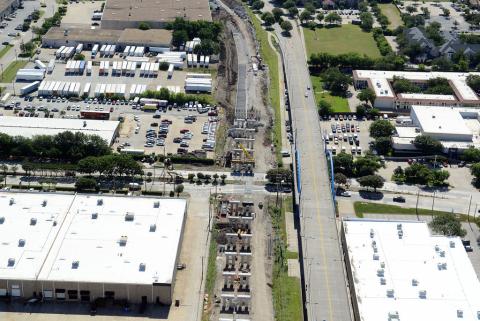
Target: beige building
(58, 36)
(121, 14)
(84, 247)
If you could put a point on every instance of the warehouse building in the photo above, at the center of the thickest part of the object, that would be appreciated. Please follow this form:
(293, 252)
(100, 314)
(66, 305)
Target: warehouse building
(7, 7)
(30, 126)
(457, 128)
(57, 37)
(85, 247)
(121, 14)
(397, 270)
(387, 99)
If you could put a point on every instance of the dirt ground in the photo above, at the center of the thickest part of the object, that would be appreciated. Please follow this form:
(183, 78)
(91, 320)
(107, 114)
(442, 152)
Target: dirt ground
(80, 14)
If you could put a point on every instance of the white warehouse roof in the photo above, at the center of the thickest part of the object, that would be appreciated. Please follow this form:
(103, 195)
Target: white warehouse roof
(435, 120)
(29, 127)
(80, 238)
(413, 277)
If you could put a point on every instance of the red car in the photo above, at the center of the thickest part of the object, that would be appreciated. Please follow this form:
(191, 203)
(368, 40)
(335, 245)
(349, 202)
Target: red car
(183, 131)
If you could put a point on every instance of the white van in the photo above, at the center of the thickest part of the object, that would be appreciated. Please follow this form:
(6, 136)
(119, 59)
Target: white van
(285, 153)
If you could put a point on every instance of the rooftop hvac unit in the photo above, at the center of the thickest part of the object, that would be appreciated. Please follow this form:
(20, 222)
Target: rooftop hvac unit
(459, 313)
(75, 264)
(376, 257)
(399, 227)
(442, 266)
(442, 253)
(422, 294)
(156, 204)
(383, 281)
(142, 267)
(382, 265)
(437, 248)
(400, 234)
(390, 293)
(393, 315)
(452, 245)
(123, 240)
(380, 272)
(129, 217)
(2, 219)
(414, 282)
(33, 221)
(153, 227)
(21, 243)
(11, 261)
(372, 233)
(94, 216)
(100, 202)
(54, 223)
(44, 203)
(12, 201)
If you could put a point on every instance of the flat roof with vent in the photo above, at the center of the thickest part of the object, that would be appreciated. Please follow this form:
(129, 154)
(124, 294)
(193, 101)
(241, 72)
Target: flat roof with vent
(82, 247)
(402, 272)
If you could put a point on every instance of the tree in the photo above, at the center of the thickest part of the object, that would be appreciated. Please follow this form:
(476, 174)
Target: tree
(383, 145)
(279, 175)
(14, 169)
(286, 26)
(179, 38)
(398, 175)
(336, 81)
(79, 56)
(417, 174)
(277, 14)
(333, 18)
(85, 183)
(428, 145)
(366, 21)
(191, 177)
(411, 9)
(293, 11)
(438, 178)
(471, 155)
(361, 111)
(289, 4)
(474, 82)
(144, 25)
(324, 108)
(447, 224)
(164, 66)
(366, 165)
(223, 177)
(374, 181)
(446, 12)
(343, 163)
(305, 16)
(320, 17)
(367, 95)
(258, 5)
(340, 179)
(268, 18)
(381, 128)
(179, 189)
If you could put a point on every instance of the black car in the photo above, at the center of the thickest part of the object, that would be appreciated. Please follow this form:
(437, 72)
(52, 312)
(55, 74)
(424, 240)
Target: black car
(399, 199)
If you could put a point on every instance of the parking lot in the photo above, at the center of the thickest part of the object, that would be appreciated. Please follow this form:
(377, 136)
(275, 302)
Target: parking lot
(80, 14)
(346, 134)
(15, 20)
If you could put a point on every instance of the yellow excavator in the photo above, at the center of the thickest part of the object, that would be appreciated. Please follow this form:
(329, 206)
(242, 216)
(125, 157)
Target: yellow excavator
(247, 154)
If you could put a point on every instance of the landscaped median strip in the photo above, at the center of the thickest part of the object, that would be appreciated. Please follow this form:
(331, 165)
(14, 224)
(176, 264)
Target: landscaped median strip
(10, 72)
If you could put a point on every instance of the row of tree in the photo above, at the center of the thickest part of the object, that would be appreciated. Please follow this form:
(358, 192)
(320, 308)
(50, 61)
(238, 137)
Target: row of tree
(110, 165)
(354, 60)
(65, 146)
(420, 174)
(171, 97)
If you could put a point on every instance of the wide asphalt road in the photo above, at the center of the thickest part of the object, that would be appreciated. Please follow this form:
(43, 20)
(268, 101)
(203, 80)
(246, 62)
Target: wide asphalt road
(325, 285)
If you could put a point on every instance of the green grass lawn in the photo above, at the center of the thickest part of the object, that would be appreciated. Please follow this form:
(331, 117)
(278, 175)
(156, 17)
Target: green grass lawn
(270, 58)
(341, 39)
(5, 49)
(377, 208)
(10, 72)
(392, 13)
(339, 104)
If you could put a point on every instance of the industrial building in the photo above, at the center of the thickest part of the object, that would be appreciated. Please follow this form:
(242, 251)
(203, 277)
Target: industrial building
(58, 36)
(387, 99)
(33, 126)
(121, 14)
(397, 270)
(84, 247)
(7, 7)
(457, 128)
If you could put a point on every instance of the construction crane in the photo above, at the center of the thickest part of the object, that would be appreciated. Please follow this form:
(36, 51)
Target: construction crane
(247, 154)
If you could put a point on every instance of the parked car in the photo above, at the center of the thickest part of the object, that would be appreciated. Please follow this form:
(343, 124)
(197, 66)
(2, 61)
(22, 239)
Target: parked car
(399, 199)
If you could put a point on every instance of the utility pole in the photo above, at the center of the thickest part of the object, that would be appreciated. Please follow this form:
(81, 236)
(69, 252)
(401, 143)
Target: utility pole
(416, 206)
(433, 202)
(468, 212)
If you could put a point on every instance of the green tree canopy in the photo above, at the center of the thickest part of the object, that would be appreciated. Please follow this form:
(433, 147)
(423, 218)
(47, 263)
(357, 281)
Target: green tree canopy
(448, 225)
(367, 95)
(428, 145)
(381, 128)
(373, 181)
